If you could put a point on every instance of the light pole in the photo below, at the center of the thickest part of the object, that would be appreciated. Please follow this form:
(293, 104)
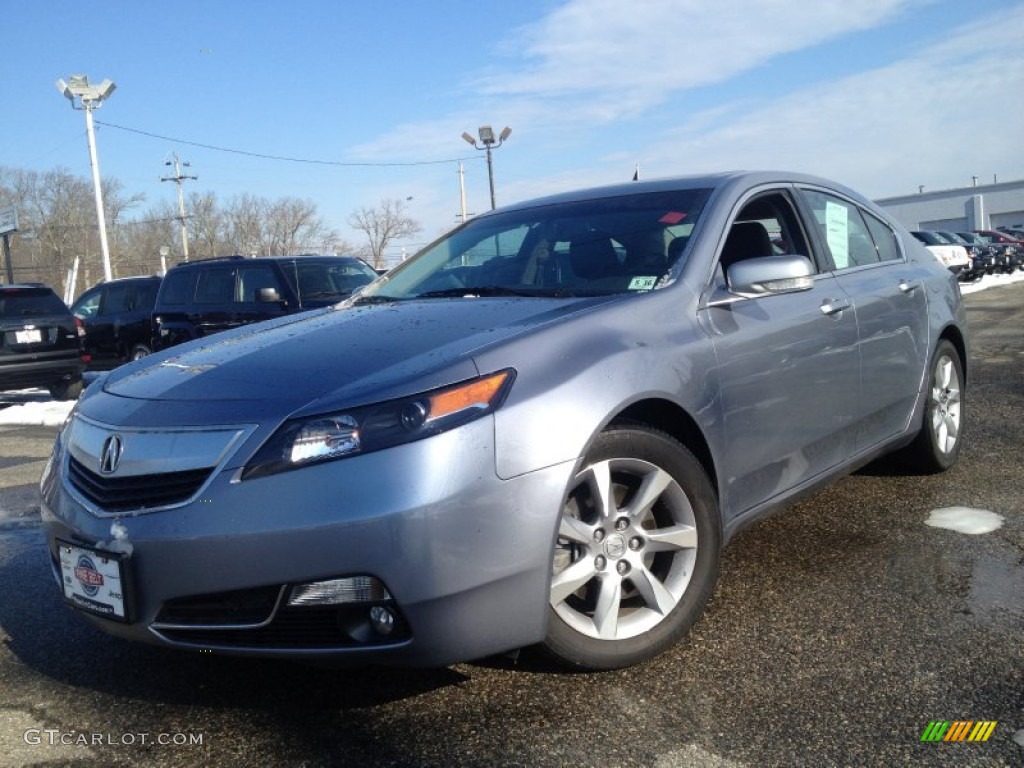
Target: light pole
(487, 139)
(90, 97)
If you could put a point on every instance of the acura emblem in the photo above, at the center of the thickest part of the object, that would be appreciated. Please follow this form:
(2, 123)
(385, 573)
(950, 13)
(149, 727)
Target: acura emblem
(110, 456)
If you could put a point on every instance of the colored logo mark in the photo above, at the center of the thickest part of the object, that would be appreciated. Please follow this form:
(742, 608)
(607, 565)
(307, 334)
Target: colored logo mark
(958, 730)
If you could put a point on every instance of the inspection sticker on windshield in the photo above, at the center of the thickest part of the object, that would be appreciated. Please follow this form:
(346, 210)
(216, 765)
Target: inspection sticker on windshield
(642, 283)
(92, 580)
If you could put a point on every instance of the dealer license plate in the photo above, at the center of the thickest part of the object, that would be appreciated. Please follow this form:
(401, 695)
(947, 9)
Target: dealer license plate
(93, 580)
(28, 337)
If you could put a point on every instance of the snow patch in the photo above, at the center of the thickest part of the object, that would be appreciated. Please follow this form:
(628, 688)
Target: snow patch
(992, 281)
(964, 520)
(34, 408)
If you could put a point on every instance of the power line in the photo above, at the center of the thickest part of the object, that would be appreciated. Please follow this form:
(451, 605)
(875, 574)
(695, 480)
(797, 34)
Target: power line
(281, 157)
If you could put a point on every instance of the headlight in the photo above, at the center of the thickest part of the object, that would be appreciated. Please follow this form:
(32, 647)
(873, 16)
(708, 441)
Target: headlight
(326, 437)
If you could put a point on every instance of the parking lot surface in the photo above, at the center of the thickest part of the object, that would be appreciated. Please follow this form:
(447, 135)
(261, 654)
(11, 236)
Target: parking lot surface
(839, 631)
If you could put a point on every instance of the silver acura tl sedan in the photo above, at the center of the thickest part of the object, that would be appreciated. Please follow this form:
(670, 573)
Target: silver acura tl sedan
(541, 430)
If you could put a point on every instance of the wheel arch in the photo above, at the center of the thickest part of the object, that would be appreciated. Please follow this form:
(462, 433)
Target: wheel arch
(955, 336)
(676, 422)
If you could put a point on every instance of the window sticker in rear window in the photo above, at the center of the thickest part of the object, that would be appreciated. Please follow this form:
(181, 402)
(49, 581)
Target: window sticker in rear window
(837, 232)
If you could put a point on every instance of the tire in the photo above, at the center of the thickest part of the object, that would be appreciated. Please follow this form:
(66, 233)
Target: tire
(937, 446)
(66, 390)
(637, 551)
(140, 351)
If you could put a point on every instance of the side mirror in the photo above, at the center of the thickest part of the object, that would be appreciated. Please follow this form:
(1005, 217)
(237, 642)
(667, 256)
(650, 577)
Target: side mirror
(770, 275)
(267, 295)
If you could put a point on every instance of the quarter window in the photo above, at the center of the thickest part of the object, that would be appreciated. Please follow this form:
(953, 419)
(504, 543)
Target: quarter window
(177, 287)
(216, 286)
(884, 237)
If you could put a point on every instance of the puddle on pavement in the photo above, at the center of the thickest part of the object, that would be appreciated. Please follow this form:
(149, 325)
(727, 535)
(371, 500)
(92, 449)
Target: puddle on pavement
(976, 576)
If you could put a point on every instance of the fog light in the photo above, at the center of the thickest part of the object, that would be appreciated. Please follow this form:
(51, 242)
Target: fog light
(354, 589)
(382, 620)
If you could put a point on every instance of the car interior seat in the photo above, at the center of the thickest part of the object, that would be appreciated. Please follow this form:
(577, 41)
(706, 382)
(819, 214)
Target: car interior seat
(746, 240)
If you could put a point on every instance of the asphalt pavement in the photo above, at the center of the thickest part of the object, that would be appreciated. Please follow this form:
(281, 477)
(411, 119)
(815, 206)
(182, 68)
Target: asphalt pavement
(839, 631)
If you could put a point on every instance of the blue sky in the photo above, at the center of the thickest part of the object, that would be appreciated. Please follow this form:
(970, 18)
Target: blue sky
(883, 95)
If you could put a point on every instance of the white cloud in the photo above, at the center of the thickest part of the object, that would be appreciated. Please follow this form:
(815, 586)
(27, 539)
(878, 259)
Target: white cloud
(650, 48)
(599, 61)
(936, 119)
(597, 85)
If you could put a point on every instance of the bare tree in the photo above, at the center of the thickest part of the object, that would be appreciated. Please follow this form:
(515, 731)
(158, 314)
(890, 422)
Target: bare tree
(208, 225)
(381, 225)
(57, 222)
(292, 222)
(244, 216)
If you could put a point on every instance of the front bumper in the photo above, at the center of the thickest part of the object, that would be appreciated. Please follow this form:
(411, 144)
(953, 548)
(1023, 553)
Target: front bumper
(464, 555)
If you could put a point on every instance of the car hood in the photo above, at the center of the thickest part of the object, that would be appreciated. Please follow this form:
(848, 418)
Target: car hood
(356, 353)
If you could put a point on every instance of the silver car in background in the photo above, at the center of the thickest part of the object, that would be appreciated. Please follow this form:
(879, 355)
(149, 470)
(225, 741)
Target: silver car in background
(540, 430)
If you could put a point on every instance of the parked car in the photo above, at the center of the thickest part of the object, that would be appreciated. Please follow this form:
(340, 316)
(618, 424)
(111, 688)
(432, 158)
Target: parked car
(198, 298)
(117, 316)
(40, 342)
(540, 429)
(1001, 256)
(980, 255)
(953, 256)
(1013, 249)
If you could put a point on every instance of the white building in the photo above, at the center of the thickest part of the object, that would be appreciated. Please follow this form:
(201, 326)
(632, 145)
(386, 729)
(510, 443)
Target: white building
(983, 206)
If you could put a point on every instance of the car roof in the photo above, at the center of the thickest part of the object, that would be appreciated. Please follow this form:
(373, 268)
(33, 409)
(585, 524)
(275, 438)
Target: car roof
(700, 181)
(197, 263)
(25, 287)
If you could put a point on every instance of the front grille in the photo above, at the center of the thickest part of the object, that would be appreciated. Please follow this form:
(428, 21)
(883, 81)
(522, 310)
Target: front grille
(243, 606)
(120, 494)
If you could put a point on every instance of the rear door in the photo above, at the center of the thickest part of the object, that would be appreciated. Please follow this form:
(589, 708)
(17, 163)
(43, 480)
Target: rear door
(888, 293)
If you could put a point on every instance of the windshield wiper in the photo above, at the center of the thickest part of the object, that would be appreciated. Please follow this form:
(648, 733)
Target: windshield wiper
(374, 299)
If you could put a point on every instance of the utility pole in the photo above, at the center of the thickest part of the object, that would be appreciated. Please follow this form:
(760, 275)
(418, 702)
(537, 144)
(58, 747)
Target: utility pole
(179, 178)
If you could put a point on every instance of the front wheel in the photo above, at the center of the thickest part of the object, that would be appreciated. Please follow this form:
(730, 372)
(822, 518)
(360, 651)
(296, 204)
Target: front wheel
(937, 446)
(637, 551)
(66, 389)
(140, 351)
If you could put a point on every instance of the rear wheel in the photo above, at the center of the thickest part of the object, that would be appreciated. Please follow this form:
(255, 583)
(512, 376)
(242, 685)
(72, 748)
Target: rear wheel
(637, 552)
(937, 446)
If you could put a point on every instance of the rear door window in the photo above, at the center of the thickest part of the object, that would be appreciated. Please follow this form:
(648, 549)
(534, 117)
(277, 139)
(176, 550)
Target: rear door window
(843, 231)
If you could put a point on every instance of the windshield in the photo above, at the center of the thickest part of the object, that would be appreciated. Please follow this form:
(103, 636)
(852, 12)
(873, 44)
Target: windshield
(587, 248)
(327, 279)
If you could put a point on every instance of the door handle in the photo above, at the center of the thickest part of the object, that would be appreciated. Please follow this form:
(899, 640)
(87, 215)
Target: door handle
(907, 287)
(834, 306)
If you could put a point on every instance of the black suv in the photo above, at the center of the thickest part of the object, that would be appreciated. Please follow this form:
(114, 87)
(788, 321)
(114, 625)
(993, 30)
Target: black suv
(117, 316)
(198, 298)
(40, 342)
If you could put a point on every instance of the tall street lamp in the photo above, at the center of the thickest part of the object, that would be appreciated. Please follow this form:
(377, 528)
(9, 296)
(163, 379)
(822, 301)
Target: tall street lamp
(487, 141)
(87, 98)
